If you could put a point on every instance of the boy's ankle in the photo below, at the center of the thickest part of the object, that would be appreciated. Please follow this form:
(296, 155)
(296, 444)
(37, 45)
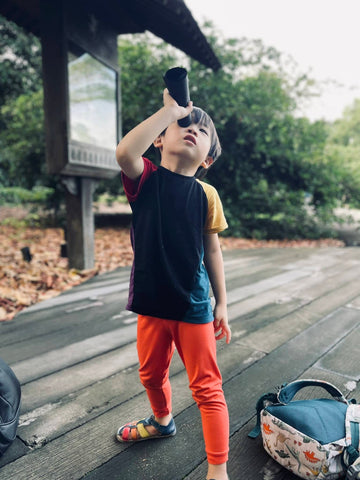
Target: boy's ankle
(217, 472)
(163, 421)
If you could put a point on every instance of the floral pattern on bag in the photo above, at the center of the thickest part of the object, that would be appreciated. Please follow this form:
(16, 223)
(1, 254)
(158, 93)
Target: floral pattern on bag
(299, 453)
(352, 415)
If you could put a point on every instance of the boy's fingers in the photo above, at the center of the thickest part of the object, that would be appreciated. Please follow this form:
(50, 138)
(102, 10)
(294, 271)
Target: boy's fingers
(222, 331)
(220, 336)
(228, 335)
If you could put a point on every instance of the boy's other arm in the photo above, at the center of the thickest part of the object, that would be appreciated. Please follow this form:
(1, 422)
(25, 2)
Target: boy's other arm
(132, 147)
(215, 267)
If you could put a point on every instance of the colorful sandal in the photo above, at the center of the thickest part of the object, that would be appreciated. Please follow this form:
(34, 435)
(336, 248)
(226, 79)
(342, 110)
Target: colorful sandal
(136, 431)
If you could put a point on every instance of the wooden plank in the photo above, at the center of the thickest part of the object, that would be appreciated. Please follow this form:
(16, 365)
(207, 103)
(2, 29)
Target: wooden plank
(242, 266)
(78, 296)
(53, 419)
(265, 309)
(47, 322)
(305, 289)
(324, 281)
(248, 456)
(17, 449)
(72, 455)
(297, 271)
(344, 384)
(57, 319)
(83, 293)
(51, 388)
(67, 451)
(286, 327)
(355, 303)
(247, 460)
(100, 321)
(344, 358)
(59, 359)
(39, 344)
(256, 288)
(243, 389)
(244, 326)
(244, 273)
(300, 290)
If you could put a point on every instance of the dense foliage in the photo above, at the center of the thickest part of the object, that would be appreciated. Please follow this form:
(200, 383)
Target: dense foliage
(280, 175)
(343, 154)
(272, 176)
(22, 139)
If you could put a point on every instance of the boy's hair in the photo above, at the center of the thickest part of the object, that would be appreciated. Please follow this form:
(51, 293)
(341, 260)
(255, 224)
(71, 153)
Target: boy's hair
(200, 116)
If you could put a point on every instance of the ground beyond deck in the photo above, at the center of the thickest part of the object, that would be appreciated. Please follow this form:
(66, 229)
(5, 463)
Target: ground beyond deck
(293, 312)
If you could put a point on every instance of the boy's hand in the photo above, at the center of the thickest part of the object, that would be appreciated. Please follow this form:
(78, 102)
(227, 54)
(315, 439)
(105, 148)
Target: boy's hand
(221, 324)
(179, 112)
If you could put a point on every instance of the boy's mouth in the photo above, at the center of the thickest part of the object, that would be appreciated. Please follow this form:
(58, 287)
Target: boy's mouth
(190, 138)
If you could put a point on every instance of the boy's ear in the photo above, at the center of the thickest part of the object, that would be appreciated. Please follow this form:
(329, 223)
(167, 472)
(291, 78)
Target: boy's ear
(158, 142)
(208, 162)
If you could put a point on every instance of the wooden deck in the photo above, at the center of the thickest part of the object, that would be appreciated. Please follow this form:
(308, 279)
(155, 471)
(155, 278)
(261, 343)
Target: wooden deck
(294, 313)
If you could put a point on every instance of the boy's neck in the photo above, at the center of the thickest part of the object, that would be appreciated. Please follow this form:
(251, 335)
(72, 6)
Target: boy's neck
(179, 168)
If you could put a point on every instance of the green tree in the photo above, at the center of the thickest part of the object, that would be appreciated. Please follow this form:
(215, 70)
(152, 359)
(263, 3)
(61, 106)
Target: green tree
(21, 119)
(272, 164)
(23, 152)
(22, 137)
(343, 154)
(20, 61)
(273, 176)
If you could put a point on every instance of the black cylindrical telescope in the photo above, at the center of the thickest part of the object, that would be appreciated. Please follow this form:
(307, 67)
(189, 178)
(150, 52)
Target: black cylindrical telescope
(177, 82)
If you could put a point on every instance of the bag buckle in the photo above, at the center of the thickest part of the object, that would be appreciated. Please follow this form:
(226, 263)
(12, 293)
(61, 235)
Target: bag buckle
(353, 472)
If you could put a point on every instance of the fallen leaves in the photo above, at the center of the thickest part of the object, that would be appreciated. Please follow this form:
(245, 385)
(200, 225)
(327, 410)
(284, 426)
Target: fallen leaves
(24, 283)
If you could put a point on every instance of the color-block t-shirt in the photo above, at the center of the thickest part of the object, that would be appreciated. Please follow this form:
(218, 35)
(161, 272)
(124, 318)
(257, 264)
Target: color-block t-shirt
(171, 213)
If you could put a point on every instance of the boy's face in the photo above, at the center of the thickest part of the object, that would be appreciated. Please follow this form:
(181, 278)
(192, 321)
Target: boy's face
(189, 144)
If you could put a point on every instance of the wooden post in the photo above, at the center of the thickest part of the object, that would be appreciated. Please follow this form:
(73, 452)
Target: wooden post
(80, 222)
(66, 25)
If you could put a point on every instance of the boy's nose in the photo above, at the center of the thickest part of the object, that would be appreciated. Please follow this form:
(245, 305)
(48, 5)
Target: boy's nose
(192, 129)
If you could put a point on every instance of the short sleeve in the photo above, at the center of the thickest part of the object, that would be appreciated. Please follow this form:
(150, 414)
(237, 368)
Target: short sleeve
(215, 221)
(132, 188)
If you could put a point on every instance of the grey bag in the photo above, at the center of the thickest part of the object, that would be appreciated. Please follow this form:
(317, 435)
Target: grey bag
(10, 396)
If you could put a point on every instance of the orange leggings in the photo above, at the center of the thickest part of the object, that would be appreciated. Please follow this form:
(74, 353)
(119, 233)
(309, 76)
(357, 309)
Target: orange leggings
(196, 344)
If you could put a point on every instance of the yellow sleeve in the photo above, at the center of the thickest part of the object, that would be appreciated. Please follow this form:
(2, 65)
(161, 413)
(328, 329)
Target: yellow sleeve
(216, 221)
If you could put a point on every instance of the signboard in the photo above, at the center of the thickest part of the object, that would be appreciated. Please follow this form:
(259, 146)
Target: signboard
(92, 114)
(81, 90)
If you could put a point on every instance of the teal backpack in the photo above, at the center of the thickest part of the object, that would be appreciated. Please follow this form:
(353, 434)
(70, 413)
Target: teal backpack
(316, 439)
(10, 396)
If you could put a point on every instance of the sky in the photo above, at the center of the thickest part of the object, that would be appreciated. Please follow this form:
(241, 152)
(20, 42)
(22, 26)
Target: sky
(322, 36)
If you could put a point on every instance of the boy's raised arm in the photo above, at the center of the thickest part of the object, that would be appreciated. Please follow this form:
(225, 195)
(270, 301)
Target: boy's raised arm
(132, 147)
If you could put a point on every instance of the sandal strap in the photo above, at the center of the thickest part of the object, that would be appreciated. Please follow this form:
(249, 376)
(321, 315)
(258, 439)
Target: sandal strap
(163, 430)
(141, 429)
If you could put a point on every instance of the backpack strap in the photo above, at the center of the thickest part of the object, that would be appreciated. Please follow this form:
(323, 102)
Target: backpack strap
(260, 404)
(287, 393)
(351, 452)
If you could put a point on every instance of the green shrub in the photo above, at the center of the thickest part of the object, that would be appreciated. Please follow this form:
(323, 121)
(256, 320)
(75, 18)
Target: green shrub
(20, 196)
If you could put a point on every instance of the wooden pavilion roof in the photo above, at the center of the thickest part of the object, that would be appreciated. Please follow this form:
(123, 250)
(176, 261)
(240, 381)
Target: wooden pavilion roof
(170, 20)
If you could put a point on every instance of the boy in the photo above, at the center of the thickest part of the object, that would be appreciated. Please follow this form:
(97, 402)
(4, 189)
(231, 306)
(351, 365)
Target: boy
(176, 220)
